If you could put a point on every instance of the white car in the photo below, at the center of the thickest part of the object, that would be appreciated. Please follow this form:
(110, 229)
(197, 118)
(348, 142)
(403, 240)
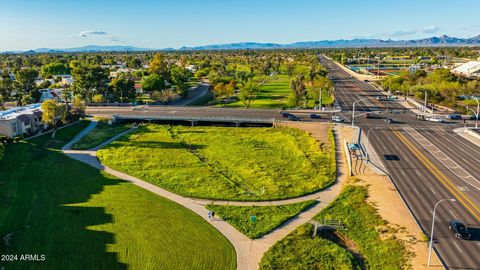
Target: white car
(337, 119)
(434, 119)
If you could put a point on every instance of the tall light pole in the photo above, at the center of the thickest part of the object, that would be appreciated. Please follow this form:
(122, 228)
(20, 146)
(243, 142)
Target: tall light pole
(425, 106)
(433, 226)
(353, 110)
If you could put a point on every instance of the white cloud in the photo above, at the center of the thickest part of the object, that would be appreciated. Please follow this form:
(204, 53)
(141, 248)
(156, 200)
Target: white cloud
(401, 33)
(85, 34)
(115, 39)
(431, 29)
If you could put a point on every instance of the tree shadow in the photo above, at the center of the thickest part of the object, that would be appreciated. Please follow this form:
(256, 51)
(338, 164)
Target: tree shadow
(41, 191)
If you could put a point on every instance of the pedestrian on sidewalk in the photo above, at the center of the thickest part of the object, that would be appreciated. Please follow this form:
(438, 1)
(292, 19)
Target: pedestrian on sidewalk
(210, 216)
(213, 215)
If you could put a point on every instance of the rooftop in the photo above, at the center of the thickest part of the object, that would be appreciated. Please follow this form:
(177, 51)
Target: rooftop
(14, 112)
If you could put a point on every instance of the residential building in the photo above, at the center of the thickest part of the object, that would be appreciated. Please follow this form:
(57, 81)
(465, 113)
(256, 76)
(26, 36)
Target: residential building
(21, 121)
(47, 94)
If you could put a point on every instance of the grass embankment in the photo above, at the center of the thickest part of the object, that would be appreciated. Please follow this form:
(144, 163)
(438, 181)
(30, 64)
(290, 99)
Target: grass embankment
(223, 162)
(81, 218)
(370, 233)
(267, 217)
(299, 251)
(367, 235)
(102, 132)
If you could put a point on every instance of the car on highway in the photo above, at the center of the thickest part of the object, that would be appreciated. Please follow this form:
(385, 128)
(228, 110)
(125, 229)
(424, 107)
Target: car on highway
(285, 114)
(315, 116)
(459, 229)
(380, 98)
(337, 119)
(391, 98)
(293, 117)
(434, 119)
(390, 120)
(454, 117)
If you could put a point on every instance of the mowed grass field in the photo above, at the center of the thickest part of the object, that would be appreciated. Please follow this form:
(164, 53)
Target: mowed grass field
(81, 218)
(223, 162)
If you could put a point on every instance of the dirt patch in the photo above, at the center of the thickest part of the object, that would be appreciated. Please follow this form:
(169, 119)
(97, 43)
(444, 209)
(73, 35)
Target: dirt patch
(319, 131)
(384, 197)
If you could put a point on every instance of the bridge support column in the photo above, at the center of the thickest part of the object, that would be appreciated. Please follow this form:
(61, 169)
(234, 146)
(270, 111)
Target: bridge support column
(193, 123)
(237, 124)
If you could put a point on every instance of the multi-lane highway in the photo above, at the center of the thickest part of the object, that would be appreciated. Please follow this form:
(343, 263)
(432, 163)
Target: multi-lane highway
(427, 162)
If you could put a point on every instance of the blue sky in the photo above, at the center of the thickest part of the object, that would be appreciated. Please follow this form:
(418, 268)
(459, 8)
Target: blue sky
(30, 24)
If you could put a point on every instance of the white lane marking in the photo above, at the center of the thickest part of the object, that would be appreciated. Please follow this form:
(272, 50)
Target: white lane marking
(416, 191)
(457, 247)
(418, 173)
(443, 158)
(433, 191)
(453, 214)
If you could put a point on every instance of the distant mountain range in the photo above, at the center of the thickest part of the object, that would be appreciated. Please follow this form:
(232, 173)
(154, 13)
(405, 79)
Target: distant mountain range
(340, 43)
(347, 43)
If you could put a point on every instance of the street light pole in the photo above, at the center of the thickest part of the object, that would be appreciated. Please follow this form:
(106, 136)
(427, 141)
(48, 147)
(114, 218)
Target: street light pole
(353, 110)
(433, 226)
(425, 107)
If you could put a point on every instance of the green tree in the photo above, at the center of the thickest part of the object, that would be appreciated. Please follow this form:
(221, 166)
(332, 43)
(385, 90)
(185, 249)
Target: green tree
(122, 89)
(248, 93)
(152, 83)
(54, 68)
(89, 80)
(25, 79)
(159, 66)
(52, 114)
(78, 107)
(299, 90)
(98, 98)
(290, 69)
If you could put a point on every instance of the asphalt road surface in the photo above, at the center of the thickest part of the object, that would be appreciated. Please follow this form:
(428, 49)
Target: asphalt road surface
(427, 162)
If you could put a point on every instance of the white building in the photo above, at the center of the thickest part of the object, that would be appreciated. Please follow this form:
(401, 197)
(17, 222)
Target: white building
(470, 70)
(21, 121)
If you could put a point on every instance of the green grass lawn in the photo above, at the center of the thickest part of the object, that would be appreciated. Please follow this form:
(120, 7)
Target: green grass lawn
(364, 224)
(102, 132)
(81, 218)
(224, 162)
(267, 217)
(299, 251)
(274, 94)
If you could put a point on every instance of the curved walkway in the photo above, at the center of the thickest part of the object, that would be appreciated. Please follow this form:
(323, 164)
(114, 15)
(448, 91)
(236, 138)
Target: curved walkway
(249, 252)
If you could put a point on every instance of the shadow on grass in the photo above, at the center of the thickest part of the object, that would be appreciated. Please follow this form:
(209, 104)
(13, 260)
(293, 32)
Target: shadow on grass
(158, 144)
(41, 192)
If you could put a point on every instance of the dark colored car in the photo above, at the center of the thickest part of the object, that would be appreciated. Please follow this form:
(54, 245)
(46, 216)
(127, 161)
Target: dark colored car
(285, 114)
(389, 120)
(293, 117)
(471, 117)
(459, 229)
(315, 116)
(454, 117)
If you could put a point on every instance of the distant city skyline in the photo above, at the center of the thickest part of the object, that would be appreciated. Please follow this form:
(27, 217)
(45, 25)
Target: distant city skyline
(31, 24)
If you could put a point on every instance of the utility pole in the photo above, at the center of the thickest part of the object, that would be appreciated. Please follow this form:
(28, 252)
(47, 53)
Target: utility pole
(425, 107)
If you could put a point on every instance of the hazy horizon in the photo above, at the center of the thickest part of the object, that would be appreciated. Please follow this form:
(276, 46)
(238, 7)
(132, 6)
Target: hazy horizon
(55, 24)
